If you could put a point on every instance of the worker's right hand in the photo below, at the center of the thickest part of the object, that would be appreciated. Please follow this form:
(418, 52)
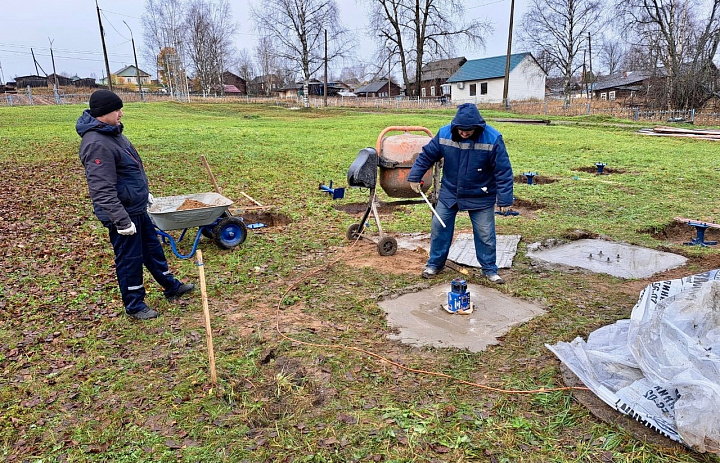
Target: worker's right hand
(416, 187)
(128, 231)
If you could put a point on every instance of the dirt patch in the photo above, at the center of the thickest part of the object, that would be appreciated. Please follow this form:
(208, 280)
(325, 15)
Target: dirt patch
(596, 170)
(527, 208)
(269, 219)
(383, 208)
(364, 254)
(536, 179)
(681, 233)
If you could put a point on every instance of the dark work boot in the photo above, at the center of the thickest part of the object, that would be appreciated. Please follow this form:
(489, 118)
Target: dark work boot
(430, 272)
(145, 314)
(182, 290)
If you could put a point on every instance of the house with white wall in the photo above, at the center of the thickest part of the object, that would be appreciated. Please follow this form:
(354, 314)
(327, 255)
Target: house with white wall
(483, 80)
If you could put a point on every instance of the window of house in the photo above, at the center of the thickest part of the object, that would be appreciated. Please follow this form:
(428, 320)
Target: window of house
(611, 96)
(422, 92)
(432, 90)
(483, 88)
(603, 96)
(473, 89)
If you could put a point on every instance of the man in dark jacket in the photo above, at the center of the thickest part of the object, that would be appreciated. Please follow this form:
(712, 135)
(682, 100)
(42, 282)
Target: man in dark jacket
(476, 175)
(120, 194)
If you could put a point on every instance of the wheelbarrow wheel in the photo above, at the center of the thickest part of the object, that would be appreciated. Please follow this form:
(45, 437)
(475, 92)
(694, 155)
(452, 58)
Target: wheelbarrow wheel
(229, 232)
(387, 246)
(207, 231)
(353, 232)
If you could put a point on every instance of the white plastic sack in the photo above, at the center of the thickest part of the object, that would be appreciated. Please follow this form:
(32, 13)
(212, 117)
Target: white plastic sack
(661, 367)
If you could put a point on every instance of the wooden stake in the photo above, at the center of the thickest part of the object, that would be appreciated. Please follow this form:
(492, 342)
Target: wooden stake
(206, 310)
(212, 177)
(250, 198)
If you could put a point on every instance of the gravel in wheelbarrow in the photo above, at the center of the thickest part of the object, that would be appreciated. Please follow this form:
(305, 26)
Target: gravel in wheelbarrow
(187, 211)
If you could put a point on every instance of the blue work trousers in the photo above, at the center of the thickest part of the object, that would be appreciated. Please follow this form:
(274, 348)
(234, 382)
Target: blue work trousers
(134, 251)
(483, 223)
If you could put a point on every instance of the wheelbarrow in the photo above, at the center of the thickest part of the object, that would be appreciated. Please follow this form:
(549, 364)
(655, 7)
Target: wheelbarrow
(207, 211)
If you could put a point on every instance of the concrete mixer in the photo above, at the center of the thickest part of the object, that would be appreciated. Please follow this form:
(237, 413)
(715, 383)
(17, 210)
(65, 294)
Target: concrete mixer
(390, 162)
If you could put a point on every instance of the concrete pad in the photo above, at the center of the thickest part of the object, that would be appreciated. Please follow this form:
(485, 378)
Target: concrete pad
(600, 256)
(421, 321)
(462, 251)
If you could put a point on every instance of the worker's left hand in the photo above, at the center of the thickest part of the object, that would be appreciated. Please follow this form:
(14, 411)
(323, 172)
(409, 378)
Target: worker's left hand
(416, 187)
(504, 209)
(151, 199)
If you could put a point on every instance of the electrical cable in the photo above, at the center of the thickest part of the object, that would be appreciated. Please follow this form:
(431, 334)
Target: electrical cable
(385, 359)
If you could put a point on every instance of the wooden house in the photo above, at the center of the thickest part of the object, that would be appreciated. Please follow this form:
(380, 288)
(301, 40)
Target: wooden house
(128, 75)
(379, 89)
(483, 80)
(232, 80)
(434, 75)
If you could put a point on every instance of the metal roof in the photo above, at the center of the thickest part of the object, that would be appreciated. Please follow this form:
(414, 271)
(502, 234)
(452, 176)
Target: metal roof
(372, 87)
(486, 68)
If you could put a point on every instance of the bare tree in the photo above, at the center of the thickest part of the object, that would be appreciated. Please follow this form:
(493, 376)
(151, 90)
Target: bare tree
(413, 30)
(297, 30)
(558, 29)
(611, 54)
(245, 67)
(164, 29)
(267, 63)
(684, 35)
(210, 31)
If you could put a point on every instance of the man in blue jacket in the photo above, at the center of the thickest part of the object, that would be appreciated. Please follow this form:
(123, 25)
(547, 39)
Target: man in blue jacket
(120, 194)
(476, 175)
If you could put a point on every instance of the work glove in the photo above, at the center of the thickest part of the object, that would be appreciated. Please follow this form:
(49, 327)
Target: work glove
(128, 231)
(416, 187)
(151, 199)
(504, 209)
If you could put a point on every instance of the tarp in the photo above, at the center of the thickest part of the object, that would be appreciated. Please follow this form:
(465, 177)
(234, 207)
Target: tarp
(662, 366)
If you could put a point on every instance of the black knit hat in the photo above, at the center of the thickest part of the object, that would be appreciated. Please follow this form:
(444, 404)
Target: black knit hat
(104, 102)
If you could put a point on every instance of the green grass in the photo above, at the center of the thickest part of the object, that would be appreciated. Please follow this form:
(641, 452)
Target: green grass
(81, 382)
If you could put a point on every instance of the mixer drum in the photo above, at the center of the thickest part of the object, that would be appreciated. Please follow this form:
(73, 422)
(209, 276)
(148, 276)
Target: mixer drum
(397, 155)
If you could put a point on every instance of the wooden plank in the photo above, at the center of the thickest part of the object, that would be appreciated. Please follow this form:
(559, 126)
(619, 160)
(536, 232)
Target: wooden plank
(685, 220)
(665, 129)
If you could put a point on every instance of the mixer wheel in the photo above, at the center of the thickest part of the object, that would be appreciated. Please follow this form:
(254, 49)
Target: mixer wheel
(387, 246)
(353, 232)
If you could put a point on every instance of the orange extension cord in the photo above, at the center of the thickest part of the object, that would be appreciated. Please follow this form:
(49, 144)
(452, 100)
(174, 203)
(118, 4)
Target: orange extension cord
(385, 359)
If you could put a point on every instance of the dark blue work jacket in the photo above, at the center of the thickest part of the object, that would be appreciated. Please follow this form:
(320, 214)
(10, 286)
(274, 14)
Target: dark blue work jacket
(476, 172)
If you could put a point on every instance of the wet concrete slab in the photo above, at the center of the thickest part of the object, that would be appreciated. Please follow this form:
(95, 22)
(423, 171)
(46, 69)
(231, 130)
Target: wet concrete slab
(420, 319)
(601, 256)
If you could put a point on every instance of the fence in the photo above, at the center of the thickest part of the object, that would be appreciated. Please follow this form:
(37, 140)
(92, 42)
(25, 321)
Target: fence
(577, 107)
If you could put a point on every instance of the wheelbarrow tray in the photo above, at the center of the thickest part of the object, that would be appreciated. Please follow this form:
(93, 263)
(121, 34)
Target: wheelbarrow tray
(165, 214)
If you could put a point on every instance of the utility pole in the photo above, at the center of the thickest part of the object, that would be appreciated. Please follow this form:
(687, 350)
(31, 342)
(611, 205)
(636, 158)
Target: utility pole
(590, 59)
(326, 82)
(389, 71)
(37, 72)
(507, 58)
(137, 69)
(102, 38)
(53, 63)
(55, 85)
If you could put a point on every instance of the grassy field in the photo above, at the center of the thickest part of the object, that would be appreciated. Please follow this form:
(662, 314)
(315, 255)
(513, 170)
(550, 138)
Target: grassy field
(82, 382)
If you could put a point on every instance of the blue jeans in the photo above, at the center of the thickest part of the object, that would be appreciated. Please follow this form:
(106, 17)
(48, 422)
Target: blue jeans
(131, 254)
(483, 223)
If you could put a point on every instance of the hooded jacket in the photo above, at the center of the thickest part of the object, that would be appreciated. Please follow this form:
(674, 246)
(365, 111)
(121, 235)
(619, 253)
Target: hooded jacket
(476, 171)
(115, 174)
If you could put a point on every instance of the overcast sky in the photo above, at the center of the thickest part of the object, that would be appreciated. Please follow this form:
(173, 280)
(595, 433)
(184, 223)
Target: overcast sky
(72, 26)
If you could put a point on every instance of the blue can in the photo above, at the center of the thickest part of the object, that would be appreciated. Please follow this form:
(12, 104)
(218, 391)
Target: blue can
(458, 297)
